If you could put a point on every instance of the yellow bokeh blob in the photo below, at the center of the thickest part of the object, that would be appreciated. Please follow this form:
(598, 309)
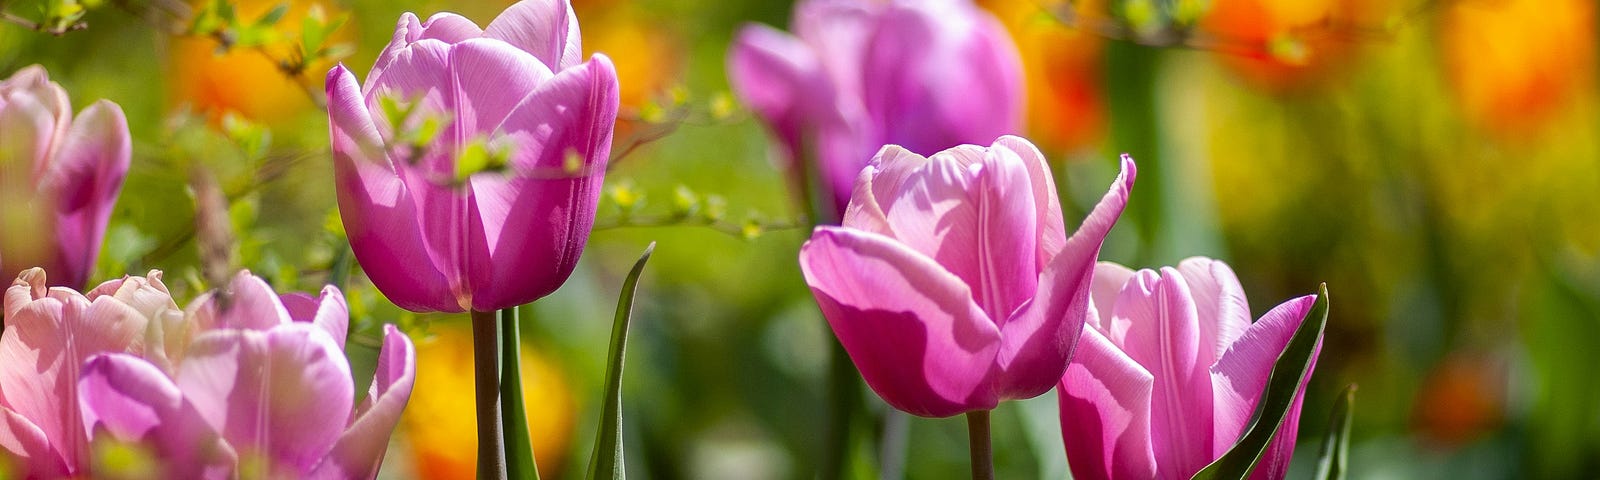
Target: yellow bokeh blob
(1514, 63)
(1062, 71)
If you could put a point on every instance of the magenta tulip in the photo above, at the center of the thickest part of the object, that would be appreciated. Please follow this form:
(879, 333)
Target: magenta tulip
(50, 332)
(858, 74)
(952, 283)
(1169, 371)
(59, 177)
(435, 234)
(261, 389)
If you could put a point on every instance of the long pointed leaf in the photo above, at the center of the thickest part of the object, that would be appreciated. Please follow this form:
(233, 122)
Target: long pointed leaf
(1332, 463)
(607, 459)
(519, 448)
(1276, 398)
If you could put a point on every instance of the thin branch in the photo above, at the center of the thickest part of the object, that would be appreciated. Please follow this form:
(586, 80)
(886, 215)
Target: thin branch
(40, 27)
(745, 230)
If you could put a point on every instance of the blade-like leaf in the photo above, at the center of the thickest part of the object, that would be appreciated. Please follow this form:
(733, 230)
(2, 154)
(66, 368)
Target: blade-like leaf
(519, 448)
(1331, 464)
(607, 459)
(1276, 398)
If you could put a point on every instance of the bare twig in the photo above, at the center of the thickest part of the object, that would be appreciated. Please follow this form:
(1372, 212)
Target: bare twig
(745, 230)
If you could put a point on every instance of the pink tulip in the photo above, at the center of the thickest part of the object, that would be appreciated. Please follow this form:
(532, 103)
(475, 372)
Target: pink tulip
(59, 177)
(262, 389)
(1169, 371)
(432, 241)
(952, 283)
(856, 74)
(50, 332)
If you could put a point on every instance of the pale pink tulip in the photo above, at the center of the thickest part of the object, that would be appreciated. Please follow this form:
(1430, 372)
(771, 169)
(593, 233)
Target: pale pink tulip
(952, 282)
(59, 177)
(1169, 371)
(434, 236)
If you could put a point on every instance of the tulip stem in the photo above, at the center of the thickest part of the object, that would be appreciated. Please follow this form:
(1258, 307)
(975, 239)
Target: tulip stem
(982, 452)
(519, 448)
(486, 363)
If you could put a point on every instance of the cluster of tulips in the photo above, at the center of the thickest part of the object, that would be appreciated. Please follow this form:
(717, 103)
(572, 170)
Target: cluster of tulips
(950, 280)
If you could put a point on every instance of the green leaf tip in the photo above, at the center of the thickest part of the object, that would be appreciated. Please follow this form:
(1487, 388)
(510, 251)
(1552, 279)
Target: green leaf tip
(607, 461)
(1333, 461)
(1276, 397)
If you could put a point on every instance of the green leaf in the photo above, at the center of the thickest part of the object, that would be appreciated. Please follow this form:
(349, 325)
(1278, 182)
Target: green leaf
(519, 448)
(273, 16)
(607, 458)
(1332, 463)
(1276, 398)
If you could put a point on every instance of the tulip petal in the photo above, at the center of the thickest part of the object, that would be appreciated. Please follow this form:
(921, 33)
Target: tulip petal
(84, 179)
(445, 27)
(248, 303)
(236, 378)
(1105, 413)
(24, 444)
(1163, 336)
(1220, 300)
(45, 343)
(884, 176)
(870, 289)
(328, 311)
(34, 82)
(934, 210)
(26, 129)
(1052, 229)
(128, 400)
(545, 28)
(1108, 281)
(376, 208)
(361, 447)
(528, 230)
(1039, 339)
(1240, 375)
(839, 31)
(1008, 269)
(778, 77)
(491, 79)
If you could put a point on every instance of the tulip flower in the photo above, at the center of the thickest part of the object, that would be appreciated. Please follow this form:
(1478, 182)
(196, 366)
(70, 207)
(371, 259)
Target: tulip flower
(1169, 371)
(261, 389)
(952, 283)
(59, 177)
(50, 332)
(493, 209)
(858, 74)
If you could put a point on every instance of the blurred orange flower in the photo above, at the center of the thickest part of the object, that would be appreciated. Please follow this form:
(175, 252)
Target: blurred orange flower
(244, 80)
(1285, 44)
(1514, 63)
(1061, 67)
(439, 423)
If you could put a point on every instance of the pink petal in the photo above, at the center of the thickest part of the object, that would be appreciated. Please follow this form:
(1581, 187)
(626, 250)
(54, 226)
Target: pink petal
(445, 27)
(28, 125)
(1163, 336)
(935, 211)
(838, 30)
(361, 448)
(909, 325)
(1218, 297)
(34, 82)
(778, 77)
(44, 346)
(236, 378)
(884, 175)
(1047, 203)
(26, 447)
(545, 28)
(527, 231)
(128, 400)
(248, 303)
(146, 294)
(378, 213)
(85, 178)
(1039, 339)
(328, 311)
(1108, 281)
(1105, 413)
(1240, 375)
(490, 80)
(1007, 255)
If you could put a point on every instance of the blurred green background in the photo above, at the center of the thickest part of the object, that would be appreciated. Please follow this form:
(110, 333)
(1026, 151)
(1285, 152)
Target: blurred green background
(1435, 162)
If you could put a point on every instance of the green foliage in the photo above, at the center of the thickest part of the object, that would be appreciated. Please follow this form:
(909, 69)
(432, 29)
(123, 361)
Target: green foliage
(606, 461)
(1333, 462)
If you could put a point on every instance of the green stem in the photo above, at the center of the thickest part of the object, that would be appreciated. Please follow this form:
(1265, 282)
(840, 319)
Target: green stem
(978, 439)
(843, 392)
(519, 448)
(486, 363)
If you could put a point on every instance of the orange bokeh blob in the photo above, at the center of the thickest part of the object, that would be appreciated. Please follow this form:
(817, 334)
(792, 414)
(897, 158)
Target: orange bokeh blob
(1514, 63)
(244, 80)
(1062, 71)
(1283, 45)
(439, 424)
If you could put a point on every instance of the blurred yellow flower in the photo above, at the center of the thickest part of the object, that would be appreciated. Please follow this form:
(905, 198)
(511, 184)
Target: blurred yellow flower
(439, 422)
(1061, 67)
(1514, 63)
